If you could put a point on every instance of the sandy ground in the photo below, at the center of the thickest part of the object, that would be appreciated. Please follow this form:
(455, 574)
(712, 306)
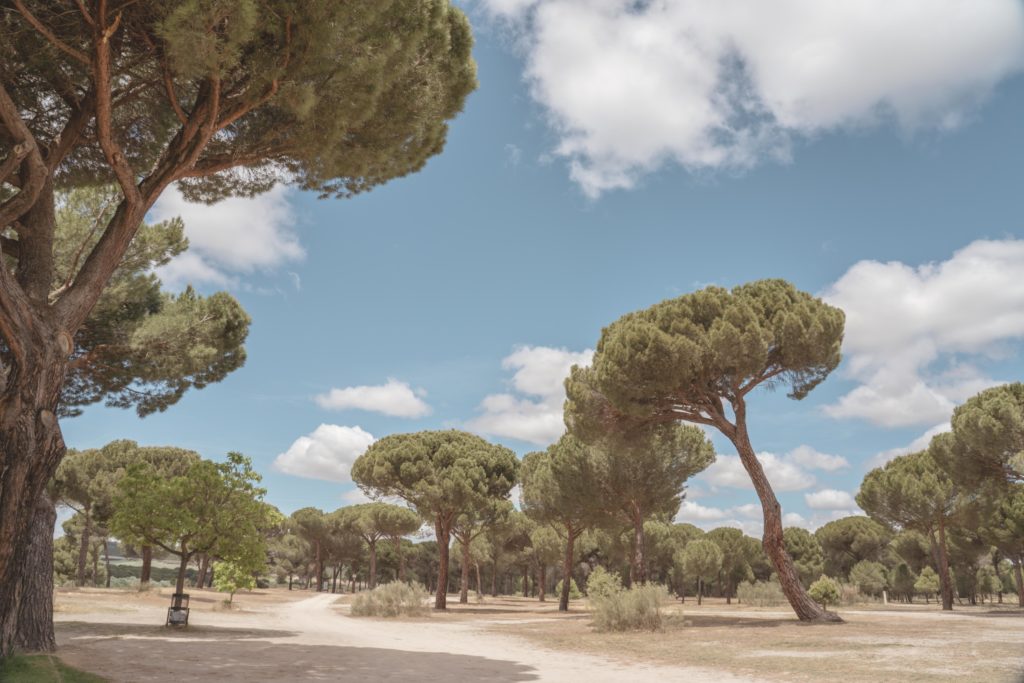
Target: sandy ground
(281, 636)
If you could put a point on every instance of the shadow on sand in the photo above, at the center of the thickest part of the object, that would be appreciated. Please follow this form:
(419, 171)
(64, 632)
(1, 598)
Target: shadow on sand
(130, 652)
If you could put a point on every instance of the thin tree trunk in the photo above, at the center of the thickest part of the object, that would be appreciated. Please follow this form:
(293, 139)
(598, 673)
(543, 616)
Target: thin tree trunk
(319, 568)
(106, 558)
(541, 581)
(526, 581)
(443, 534)
(639, 566)
(289, 581)
(204, 564)
(83, 546)
(494, 580)
(1018, 575)
(479, 587)
(563, 599)
(700, 590)
(35, 620)
(147, 564)
(464, 573)
(179, 586)
(96, 568)
(945, 582)
(334, 579)
(774, 546)
(373, 565)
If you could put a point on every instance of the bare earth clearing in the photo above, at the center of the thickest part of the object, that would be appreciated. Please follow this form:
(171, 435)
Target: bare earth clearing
(298, 636)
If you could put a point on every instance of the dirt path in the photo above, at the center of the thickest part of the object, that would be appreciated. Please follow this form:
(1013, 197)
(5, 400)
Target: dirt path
(309, 640)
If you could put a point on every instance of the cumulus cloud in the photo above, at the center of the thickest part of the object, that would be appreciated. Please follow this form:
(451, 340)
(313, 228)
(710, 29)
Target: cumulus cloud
(533, 412)
(918, 444)
(794, 519)
(232, 237)
(707, 84)
(830, 499)
(784, 475)
(914, 335)
(393, 398)
(327, 453)
(805, 456)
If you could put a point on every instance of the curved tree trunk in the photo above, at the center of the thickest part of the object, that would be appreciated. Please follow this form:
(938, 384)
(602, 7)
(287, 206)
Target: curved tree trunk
(147, 564)
(443, 534)
(806, 608)
(563, 599)
(35, 618)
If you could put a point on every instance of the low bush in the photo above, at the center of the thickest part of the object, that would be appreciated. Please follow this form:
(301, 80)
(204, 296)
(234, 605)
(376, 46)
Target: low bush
(602, 583)
(574, 590)
(761, 594)
(394, 599)
(636, 609)
(851, 595)
(825, 591)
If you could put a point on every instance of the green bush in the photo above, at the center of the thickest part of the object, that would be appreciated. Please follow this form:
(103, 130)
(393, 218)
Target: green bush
(761, 594)
(636, 609)
(602, 583)
(394, 599)
(574, 590)
(825, 591)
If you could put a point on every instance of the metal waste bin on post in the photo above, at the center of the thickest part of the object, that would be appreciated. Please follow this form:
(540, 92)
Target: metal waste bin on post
(177, 613)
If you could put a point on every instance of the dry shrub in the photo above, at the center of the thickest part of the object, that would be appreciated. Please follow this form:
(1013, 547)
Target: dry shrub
(394, 599)
(636, 609)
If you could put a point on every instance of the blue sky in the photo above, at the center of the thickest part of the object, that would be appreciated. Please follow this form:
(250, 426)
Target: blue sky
(567, 195)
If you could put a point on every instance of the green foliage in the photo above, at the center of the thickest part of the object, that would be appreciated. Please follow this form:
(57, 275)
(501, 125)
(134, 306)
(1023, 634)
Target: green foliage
(635, 609)
(927, 582)
(141, 347)
(735, 556)
(987, 441)
(574, 591)
(910, 491)
(394, 599)
(825, 591)
(602, 583)
(231, 577)
(845, 542)
(805, 550)
(912, 547)
(213, 508)
(761, 593)
(903, 579)
(545, 546)
(869, 577)
(702, 559)
(561, 485)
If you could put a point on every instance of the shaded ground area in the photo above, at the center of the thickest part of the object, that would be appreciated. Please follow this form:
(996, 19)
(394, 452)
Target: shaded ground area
(895, 643)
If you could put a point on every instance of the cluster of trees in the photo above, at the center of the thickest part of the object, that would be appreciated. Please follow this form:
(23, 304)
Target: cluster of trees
(963, 497)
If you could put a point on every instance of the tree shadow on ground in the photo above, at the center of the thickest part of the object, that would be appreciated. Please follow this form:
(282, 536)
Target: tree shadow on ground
(711, 621)
(128, 652)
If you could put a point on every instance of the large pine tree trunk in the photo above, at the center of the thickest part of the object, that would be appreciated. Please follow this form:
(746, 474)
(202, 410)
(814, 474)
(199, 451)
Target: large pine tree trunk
(35, 617)
(443, 540)
(806, 608)
(179, 586)
(147, 564)
(563, 599)
(464, 574)
(945, 580)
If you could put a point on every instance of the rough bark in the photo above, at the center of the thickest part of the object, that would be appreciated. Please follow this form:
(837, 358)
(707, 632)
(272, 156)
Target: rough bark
(35, 619)
(204, 565)
(563, 599)
(806, 608)
(443, 534)
(147, 564)
(179, 586)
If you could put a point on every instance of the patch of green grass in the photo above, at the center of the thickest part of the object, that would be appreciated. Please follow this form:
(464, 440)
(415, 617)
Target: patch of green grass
(42, 669)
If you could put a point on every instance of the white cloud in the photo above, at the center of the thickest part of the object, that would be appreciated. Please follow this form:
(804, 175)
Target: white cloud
(393, 398)
(918, 444)
(830, 499)
(327, 453)
(695, 512)
(631, 86)
(728, 471)
(534, 412)
(234, 236)
(911, 333)
(794, 519)
(810, 458)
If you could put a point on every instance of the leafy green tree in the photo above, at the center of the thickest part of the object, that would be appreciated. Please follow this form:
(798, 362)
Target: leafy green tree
(315, 528)
(221, 99)
(289, 554)
(641, 473)
(903, 579)
(987, 440)
(913, 492)
(805, 550)
(912, 547)
(561, 487)
(441, 475)
(214, 508)
(467, 529)
(374, 521)
(697, 358)
(700, 559)
(545, 549)
(231, 578)
(927, 583)
(869, 577)
(85, 482)
(735, 558)
(849, 540)
(1003, 527)
(825, 591)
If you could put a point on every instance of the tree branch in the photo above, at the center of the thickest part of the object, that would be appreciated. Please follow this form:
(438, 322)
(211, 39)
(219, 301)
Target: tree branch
(34, 175)
(50, 37)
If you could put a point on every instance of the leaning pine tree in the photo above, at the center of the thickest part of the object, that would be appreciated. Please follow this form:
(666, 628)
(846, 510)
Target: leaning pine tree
(696, 358)
(220, 98)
